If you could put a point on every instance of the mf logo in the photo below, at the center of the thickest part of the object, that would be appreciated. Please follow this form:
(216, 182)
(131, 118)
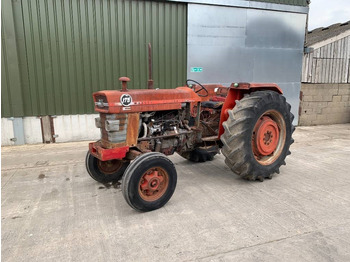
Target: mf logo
(126, 99)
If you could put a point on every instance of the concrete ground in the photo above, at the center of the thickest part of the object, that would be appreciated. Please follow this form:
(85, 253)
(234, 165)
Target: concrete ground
(53, 211)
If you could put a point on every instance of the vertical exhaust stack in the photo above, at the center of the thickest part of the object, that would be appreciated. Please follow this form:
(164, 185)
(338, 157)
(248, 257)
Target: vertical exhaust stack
(150, 81)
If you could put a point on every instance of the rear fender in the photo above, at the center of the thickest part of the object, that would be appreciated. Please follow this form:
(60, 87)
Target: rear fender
(236, 92)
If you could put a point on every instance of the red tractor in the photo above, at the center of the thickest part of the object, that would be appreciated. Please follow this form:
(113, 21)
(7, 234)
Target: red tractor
(250, 123)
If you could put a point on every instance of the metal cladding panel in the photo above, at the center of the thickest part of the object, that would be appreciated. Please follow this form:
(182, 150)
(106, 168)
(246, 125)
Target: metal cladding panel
(286, 2)
(76, 128)
(246, 45)
(5, 81)
(11, 93)
(7, 132)
(69, 49)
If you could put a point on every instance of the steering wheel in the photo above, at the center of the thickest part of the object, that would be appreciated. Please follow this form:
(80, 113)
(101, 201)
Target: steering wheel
(202, 87)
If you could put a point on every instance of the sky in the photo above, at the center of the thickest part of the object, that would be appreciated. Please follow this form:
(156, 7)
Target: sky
(324, 13)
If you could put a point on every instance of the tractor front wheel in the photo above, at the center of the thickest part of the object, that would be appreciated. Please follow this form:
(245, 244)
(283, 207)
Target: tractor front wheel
(105, 171)
(149, 181)
(258, 134)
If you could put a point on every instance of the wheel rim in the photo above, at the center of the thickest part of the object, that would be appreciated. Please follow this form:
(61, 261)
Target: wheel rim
(109, 167)
(153, 184)
(268, 137)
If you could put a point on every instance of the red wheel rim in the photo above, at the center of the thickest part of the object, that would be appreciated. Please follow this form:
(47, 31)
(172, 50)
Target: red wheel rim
(268, 137)
(153, 184)
(109, 167)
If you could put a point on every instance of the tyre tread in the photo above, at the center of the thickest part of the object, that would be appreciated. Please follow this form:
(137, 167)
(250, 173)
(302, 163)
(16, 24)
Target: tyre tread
(129, 172)
(236, 130)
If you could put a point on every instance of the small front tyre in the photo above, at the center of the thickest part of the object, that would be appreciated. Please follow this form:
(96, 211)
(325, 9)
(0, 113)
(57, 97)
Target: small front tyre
(105, 171)
(149, 182)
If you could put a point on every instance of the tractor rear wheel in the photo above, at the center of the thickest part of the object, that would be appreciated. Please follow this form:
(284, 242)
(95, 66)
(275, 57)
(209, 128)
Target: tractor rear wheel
(201, 154)
(105, 171)
(149, 181)
(258, 134)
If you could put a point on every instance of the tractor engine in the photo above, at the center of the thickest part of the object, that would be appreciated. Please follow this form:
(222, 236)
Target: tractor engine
(163, 131)
(166, 131)
(171, 131)
(159, 123)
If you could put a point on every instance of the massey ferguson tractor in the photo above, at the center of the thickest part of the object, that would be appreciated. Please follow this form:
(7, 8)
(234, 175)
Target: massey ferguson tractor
(250, 123)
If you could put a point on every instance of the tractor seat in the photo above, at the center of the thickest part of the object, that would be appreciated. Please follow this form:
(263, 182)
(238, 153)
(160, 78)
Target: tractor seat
(212, 104)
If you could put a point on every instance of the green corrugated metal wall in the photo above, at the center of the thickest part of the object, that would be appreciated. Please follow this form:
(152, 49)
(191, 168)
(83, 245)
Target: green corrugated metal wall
(55, 53)
(11, 93)
(286, 2)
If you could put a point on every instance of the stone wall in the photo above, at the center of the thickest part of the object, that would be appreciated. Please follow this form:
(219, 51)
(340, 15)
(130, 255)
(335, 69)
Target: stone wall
(324, 104)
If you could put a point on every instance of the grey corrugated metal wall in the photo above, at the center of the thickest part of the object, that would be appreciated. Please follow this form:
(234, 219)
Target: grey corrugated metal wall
(286, 2)
(55, 53)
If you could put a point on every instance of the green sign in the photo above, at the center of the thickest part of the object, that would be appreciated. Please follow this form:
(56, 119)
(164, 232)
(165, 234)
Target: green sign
(196, 69)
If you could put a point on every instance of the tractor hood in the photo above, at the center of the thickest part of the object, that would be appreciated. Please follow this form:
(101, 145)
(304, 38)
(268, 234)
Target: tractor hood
(114, 102)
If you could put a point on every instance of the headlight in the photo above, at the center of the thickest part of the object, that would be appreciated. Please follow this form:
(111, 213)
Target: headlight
(101, 101)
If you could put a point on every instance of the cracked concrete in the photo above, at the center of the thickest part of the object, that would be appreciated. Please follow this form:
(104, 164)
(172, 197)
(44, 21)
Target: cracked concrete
(53, 211)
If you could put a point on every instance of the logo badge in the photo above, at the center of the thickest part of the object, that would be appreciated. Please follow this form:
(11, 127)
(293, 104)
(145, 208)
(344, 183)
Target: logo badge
(126, 99)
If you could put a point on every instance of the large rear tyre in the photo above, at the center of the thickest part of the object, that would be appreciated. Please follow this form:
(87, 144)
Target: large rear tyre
(258, 134)
(149, 181)
(105, 171)
(201, 154)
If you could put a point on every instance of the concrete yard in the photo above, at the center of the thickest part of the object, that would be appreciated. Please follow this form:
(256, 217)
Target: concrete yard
(53, 211)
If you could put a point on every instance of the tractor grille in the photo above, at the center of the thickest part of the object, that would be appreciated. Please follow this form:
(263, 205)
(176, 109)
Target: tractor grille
(113, 128)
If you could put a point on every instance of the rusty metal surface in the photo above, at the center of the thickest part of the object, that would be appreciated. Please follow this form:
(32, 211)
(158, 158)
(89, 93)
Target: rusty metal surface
(124, 81)
(126, 132)
(164, 136)
(209, 120)
(132, 154)
(120, 139)
(147, 100)
(153, 184)
(256, 86)
(133, 129)
(150, 79)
